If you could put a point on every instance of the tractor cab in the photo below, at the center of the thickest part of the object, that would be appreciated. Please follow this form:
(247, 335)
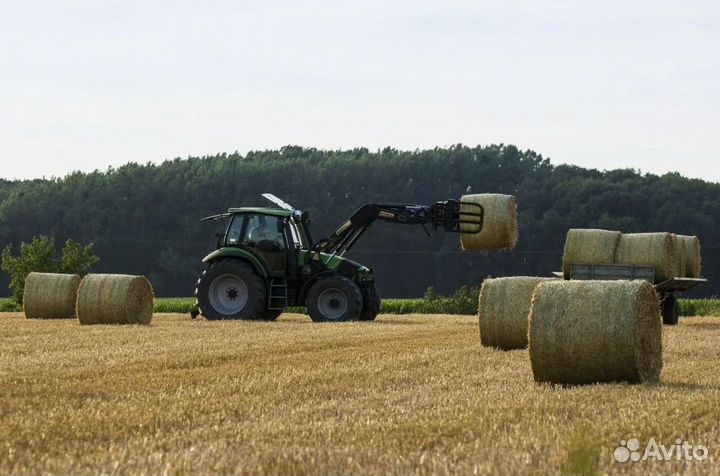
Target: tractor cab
(271, 238)
(265, 233)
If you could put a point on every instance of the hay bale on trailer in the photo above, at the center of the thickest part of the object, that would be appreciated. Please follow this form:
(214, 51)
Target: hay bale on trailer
(503, 309)
(650, 249)
(114, 299)
(589, 246)
(682, 257)
(50, 295)
(595, 331)
(689, 246)
(500, 228)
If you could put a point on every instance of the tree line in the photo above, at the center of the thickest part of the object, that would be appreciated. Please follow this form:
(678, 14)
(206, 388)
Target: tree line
(144, 218)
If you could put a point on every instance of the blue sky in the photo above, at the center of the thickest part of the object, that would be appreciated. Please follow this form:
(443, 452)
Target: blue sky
(89, 84)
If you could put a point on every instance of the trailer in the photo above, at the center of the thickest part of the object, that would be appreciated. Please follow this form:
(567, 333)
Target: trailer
(667, 290)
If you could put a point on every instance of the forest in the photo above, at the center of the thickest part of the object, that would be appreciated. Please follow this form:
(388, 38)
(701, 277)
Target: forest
(145, 218)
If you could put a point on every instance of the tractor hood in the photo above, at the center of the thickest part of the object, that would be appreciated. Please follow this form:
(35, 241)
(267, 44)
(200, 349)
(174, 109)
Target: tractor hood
(342, 265)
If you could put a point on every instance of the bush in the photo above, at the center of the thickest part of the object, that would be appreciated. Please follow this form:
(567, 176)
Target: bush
(700, 307)
(463, 301)
(8, 305)
(174, 305)
(40, 256)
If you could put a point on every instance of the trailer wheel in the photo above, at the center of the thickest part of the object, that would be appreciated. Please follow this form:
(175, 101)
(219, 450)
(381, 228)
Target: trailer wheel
(670, 310)
(371, 303)
(334, 299)
(231, 289)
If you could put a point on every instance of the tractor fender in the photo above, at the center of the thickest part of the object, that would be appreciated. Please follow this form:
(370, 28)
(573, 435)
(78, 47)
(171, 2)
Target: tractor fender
(223, 253)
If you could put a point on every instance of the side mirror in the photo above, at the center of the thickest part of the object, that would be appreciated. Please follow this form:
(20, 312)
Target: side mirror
(280, 226)
(218, 238)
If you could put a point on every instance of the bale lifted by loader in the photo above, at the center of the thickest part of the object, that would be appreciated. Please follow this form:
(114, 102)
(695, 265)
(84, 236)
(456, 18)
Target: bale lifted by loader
(267, 261)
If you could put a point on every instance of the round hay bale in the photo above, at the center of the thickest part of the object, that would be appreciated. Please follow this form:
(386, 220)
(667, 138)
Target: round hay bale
(500, 228)
(690, 250)
(503, 309)
(50, 295)
(650, 249)
(682, 259)
(595, 331)
(114, 299)
(589, 246)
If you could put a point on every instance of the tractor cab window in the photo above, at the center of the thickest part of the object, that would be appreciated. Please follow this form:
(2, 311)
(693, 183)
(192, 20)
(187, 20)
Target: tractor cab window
(264, 232)
(234, 231)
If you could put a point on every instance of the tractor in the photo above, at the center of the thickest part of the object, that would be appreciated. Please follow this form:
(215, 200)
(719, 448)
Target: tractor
(266, 260)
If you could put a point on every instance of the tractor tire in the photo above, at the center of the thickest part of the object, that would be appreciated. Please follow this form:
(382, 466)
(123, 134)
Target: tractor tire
(670, 310)
(231, 289)
(334, 299)
(371, 303)
(270, 315)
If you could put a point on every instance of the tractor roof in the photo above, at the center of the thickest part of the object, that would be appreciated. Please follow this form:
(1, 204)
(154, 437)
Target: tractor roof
(262, 211)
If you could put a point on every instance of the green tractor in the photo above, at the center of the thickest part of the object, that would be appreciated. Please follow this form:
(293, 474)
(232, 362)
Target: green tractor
(267, 261)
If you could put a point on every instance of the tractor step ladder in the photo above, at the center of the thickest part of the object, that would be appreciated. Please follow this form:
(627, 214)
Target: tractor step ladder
(278, 298)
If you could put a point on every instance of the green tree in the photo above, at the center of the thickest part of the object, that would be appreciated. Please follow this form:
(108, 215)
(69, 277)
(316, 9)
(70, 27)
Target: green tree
(40, 255)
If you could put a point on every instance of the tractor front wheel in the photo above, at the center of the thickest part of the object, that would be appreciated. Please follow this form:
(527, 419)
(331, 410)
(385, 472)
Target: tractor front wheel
(334, 299)
(231, 289)
(371, 303)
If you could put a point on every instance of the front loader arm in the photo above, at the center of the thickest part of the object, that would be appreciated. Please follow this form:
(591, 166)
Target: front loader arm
(449, 215)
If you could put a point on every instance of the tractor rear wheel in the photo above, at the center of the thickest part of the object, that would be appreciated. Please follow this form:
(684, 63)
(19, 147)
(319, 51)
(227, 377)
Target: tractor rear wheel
(371, 303)
(334, 299)
(231, 289)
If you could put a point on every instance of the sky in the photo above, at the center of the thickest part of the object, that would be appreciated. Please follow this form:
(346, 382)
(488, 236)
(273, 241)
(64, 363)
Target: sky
(85, 85)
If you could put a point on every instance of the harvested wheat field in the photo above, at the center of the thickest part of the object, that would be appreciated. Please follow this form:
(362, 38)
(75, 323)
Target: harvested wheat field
(403, 395)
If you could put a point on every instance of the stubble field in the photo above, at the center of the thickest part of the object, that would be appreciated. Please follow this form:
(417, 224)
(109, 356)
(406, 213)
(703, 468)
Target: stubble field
(403, 395)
